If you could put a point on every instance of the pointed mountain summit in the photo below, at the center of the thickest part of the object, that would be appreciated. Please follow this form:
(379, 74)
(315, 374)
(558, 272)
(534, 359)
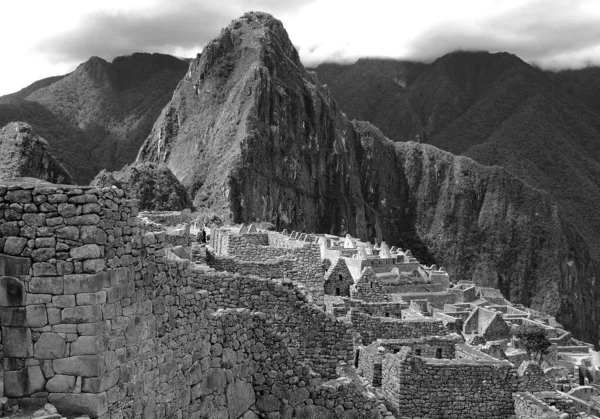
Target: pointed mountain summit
(253, 135)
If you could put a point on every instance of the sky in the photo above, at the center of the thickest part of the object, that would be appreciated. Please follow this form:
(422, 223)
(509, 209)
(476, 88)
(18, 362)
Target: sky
(41, 38)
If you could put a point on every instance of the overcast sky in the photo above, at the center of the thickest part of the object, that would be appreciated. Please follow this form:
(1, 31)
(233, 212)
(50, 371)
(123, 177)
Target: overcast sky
(42, 38)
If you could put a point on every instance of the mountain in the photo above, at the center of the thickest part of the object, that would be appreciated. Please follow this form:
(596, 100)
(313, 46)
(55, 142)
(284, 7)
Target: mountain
(541, 126)
(24, 154)
(252, 134)
(97, 116)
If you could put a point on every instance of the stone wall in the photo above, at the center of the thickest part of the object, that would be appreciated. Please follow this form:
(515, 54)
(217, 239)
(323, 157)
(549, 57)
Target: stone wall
(424, 387)
(442, 347)
(531, 378)
(527, 406)
(372, 328)
(304, 259)
(63, 255)
(381, 309)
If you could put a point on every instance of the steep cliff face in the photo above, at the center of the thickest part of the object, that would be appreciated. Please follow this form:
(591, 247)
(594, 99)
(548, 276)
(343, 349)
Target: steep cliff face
(482, 224)
(24, 154)
(252, 134)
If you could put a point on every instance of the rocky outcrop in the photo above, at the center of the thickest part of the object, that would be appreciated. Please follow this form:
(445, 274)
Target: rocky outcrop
(251, 134)
(153, 185)
(24, 154)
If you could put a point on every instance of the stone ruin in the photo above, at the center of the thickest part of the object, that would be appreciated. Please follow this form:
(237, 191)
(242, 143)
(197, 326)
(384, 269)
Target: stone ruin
(102, 316)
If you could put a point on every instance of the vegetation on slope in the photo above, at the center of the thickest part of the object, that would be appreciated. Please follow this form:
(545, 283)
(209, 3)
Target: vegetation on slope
(98, 116)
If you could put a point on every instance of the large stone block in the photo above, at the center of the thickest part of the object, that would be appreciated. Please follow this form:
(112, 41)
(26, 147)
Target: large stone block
(89, 219)
(44, 269)
(87, 251)
(17, 342)
(49, 346)
(240, 396)
(93, 405)
(12, 292)
(61, 384)
(37, 315)
(46, 285)
(83, 283)
(20, 196)
(35, 220)
(14, 245)
(23, 382)
(68, 232)
(88, 345)
(91, 298)
(94, 265)
(100, 384)
(83, 365)
(14, 266)
(13, 316)
(82, 314)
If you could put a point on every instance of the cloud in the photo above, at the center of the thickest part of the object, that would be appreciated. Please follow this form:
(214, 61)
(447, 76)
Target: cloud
(549, 32)
(169, 26)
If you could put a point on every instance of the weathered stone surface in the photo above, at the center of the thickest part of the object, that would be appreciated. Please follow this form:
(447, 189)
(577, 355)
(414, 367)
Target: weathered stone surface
(24, 382)
(61, 384)
(50, 285)
(42, 255)
(14, 245)
(93, 405)
(37, 315)
(84, 366)
(17, 342)
(83, 283)
(49, 346)
(82, 314)
(268, 403)
(87, 251)
(213, 381)
(69, 232)
(13, 316)
(44, 269)
(88, 345)
(37, 220)
(240, 396)
(12, 292)
(313, 412)
(94, 265)
(100, 384)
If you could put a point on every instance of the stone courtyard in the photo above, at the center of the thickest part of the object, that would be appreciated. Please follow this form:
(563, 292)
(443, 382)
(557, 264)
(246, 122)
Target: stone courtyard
(109, 313)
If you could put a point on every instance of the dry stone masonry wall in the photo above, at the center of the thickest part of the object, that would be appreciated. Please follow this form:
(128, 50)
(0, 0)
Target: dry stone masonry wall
(97, 321)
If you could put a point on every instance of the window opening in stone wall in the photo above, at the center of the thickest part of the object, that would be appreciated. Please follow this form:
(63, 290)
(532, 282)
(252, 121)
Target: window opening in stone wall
(418, 352)
(341, 277)
(356, 355)
(337, 291)
(387, 314)
(438, 353)
(371, 284)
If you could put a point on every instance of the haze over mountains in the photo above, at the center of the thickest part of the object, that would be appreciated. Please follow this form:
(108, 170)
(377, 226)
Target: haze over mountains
(251, 134)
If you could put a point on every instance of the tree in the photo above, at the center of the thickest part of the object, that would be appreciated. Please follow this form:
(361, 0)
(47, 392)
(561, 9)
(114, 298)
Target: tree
(534, 340)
